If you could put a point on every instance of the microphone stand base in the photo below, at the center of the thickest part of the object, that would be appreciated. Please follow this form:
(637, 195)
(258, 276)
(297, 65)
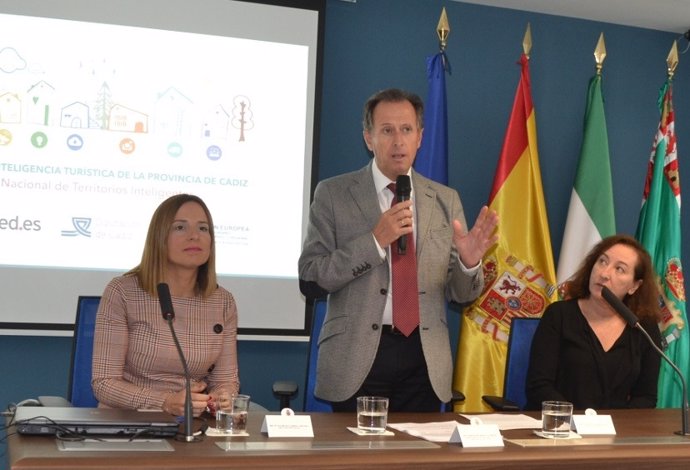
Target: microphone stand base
(183, 438)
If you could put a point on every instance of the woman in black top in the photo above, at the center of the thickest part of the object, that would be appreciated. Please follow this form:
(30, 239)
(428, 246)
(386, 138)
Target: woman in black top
(583, 351)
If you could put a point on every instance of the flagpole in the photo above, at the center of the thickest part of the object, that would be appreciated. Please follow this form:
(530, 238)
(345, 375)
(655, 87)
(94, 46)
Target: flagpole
(432, 156)
(443, 30)
(600, 53)
(672, 63)
(672, 60)
(527, 41)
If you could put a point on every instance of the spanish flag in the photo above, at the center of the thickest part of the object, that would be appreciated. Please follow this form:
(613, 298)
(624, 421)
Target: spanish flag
(519, 274)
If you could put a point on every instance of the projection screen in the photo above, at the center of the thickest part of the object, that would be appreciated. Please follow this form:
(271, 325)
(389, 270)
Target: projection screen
(109, 107)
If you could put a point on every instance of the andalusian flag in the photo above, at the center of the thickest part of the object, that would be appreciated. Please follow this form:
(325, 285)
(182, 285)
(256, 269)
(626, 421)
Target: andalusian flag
(519, 271)
(432, 158)
(659, 231)
(590, 215)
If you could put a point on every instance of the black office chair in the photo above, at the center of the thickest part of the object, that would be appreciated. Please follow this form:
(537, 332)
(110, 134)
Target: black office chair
(457, 397)
(517, 361)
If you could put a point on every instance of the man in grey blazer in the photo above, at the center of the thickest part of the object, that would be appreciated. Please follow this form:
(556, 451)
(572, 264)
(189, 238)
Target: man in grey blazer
(351, 230)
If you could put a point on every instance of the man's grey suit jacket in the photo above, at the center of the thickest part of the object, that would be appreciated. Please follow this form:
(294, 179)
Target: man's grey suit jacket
(341, 256)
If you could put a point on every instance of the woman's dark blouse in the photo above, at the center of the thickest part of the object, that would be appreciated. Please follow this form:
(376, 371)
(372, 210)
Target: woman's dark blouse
(567, 362)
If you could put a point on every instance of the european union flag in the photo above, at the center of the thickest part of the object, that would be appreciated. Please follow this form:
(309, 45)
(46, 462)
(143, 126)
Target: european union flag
(432, 157)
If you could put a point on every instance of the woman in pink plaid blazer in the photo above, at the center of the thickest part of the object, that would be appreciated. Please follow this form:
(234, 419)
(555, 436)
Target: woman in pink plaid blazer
(135, 362)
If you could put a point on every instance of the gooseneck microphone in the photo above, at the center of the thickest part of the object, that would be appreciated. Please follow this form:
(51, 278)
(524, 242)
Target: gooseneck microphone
(168, 315)
(632, 320)
(620, 308)
(403, 188)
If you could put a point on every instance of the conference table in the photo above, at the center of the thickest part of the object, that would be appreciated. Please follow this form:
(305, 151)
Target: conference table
(644, 439)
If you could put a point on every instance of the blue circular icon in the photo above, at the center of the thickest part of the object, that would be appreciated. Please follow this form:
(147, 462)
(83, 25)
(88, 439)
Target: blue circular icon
(75, 142)
(214, 152)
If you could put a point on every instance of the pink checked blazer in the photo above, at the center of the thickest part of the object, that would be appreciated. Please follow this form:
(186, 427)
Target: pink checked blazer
(135, 361)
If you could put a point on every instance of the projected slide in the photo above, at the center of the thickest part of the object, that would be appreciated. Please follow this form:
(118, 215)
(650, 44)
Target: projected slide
(102, 131)
(99, 123)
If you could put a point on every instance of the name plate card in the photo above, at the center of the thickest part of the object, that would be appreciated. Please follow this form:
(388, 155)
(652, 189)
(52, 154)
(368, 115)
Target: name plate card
(287, 424)
(477, 434)
(597, 425)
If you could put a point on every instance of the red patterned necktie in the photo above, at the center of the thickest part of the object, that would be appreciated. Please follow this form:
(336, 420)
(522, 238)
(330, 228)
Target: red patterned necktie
(405, 292)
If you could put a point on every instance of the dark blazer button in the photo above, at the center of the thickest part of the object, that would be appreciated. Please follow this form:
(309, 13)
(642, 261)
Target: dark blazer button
(375, 326)
(383, 291)
(218, 328)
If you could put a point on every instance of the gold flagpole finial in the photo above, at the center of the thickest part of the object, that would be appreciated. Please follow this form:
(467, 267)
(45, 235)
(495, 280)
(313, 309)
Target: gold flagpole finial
(527, 41)
(443, 30)
(672, 59)
(600, 53)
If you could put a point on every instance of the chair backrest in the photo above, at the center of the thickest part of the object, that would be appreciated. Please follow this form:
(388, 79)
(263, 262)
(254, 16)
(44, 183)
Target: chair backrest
(311, 403)
(80, 391)
(517, 361)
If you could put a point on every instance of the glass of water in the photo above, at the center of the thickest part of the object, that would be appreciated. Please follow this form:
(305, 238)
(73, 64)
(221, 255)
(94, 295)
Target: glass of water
(555, 418)
(372, 414)
(231, 413)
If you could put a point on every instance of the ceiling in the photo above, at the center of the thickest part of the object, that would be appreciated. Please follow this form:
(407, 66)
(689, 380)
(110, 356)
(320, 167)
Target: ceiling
(663, 15)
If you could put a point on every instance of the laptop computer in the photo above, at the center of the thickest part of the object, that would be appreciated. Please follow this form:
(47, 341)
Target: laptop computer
(49, 420)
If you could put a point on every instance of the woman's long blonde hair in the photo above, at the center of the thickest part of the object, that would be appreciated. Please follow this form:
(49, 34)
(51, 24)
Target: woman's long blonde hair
(154, 259)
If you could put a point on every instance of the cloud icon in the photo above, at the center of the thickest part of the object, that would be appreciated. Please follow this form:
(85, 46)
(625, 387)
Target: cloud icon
(10, 60)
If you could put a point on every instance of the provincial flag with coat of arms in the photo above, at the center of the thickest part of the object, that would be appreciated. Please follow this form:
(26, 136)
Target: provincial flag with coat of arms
(520, 279)
(658, 229)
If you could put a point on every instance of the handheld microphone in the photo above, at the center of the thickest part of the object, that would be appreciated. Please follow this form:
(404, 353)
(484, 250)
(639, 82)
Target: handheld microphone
(632, 320)
(403, 188)
(169, 314)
